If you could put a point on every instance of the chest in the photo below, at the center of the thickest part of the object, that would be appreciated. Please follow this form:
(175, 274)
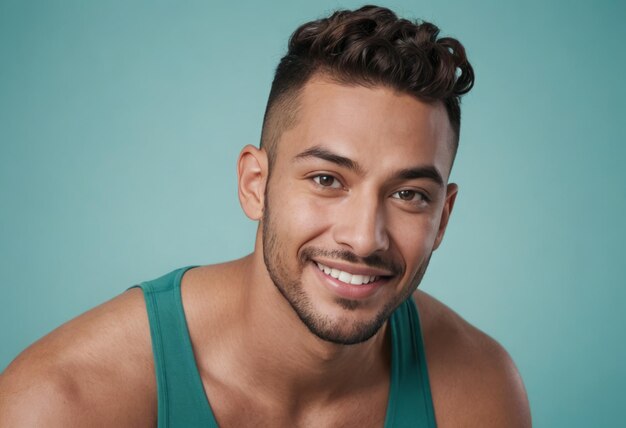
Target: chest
(240, 408)
(183, 388)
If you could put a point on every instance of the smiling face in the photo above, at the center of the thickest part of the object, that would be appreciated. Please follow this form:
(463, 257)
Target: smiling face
(355, 204)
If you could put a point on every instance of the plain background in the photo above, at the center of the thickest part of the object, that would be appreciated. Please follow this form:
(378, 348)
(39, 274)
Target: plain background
(120, 125)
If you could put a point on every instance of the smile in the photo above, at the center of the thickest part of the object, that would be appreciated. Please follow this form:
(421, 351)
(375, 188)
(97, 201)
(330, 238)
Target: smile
(346, 277)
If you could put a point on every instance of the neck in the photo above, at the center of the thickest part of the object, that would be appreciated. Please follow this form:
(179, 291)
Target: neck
(280, 356)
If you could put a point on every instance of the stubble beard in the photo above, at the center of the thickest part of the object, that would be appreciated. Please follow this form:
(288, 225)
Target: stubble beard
(290, 287)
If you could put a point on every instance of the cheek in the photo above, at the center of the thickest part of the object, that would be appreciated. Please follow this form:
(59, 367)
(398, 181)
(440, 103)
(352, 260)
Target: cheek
(299, 214)
(413, 236)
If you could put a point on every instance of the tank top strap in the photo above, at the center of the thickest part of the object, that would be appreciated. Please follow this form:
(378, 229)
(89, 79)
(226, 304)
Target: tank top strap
(410, 401)
(181, 397)
(182, 400)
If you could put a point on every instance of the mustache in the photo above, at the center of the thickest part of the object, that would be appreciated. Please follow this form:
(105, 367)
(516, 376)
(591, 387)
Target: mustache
(373, 260)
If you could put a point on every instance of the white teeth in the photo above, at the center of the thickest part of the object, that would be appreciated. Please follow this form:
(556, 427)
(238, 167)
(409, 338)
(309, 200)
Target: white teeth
(346, 277)
(358, 280)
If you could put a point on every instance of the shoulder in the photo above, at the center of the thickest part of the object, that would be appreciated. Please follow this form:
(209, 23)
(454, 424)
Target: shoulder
(95, 369)
(474, 381)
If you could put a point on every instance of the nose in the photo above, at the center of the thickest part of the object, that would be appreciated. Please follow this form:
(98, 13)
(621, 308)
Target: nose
(361, 227)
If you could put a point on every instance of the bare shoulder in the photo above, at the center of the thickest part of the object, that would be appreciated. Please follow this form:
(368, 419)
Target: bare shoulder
(474, 381)
(95, 370)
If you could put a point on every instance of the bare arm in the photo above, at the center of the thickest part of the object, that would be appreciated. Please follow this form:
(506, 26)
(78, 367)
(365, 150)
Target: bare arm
(96, 370)
(39, 398)
(474, 381)
(499, 398)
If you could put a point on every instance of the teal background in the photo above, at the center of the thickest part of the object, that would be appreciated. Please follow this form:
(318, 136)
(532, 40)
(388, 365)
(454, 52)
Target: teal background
(120, 125)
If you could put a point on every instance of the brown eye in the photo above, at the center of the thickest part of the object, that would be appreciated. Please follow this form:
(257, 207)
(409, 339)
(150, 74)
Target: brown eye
(410, 196)
(327, 181)
(406, 195)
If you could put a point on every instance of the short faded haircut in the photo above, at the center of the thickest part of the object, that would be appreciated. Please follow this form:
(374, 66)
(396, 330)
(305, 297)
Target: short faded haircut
(370, 47)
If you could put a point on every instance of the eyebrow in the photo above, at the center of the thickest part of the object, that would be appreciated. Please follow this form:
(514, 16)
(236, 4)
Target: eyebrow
(318, 152)
(428, 171)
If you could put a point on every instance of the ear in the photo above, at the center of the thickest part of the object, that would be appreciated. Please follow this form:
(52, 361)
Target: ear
(451, 191)
(252, 177)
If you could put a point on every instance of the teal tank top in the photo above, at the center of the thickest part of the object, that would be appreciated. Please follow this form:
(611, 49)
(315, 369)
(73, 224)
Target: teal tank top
(182, 401)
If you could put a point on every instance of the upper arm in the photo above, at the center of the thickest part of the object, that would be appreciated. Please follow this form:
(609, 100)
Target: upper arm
(482, 388)
(38, 398)
(500, 399)
(96, 370)
(474, 381)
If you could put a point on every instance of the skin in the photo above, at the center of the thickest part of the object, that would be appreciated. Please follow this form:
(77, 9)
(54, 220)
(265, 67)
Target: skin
(258, 361)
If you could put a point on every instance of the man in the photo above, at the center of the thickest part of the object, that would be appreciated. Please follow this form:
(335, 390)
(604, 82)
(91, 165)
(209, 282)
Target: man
(319, 326)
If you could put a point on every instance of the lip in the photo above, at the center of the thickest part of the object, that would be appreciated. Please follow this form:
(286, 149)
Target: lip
(352, 269)
(349, 291)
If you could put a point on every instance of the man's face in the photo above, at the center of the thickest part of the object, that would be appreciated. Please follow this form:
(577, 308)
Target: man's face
(354, 205)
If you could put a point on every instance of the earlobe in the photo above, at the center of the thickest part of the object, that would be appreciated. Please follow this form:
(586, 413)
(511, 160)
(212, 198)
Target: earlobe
(451, 191)
(252, 177)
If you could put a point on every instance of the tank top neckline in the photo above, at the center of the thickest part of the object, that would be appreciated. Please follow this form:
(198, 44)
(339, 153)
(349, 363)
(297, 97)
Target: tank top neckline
(199, 385)
(402, 379)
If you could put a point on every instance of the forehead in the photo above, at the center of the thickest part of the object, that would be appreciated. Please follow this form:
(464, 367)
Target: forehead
(375, 126)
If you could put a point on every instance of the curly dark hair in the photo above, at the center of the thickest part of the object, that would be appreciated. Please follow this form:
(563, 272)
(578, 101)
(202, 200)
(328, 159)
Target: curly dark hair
(369, 46)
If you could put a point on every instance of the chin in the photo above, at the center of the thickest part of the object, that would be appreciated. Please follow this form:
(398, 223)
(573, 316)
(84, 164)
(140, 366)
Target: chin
(344, 321)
